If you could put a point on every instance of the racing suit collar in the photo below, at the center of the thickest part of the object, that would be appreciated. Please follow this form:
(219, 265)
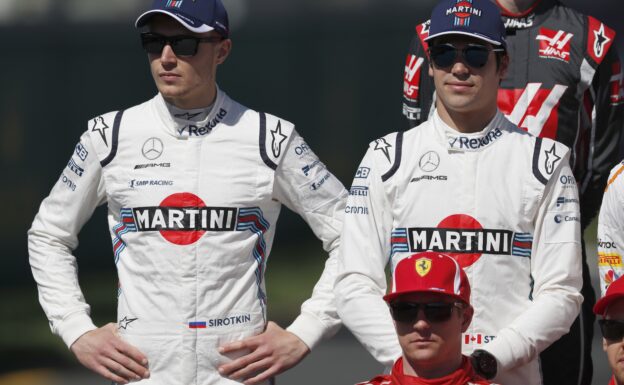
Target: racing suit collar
(477, 141)
(463, 375)
(532, 17)
(195, 123)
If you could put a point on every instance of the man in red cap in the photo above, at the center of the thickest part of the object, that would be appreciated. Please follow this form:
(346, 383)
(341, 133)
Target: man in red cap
(430, 305)
(611, 308)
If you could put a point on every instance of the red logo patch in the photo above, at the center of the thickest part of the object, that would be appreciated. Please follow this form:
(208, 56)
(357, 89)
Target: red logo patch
(534, 109)
(554, 44)
(599, 40)
(462, 221)
(182, 200)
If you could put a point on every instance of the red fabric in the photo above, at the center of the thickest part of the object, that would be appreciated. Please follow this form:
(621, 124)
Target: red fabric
(463, 376)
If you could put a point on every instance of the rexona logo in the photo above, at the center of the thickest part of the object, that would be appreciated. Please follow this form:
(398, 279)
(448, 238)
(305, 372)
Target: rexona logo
(182, 218)
(462, 237)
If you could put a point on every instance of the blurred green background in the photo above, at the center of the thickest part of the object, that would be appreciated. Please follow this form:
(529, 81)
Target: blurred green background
(333, 67)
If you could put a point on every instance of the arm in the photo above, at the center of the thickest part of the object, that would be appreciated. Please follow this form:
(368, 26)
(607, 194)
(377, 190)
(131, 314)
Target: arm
(418, 88)
(51, 240)
(556, 271)
(611, 231)
(303, 184)
(364, 253)
(607, 122)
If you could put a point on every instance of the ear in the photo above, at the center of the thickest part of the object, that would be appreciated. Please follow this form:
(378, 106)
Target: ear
(504, 66)
(430, 69)
(467, 318)
(224, 50)
(604, 344)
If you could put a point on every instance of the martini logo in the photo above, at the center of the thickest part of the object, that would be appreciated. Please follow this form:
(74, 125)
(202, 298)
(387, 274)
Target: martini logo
(423, 266)
(463, 11)
(182, 218)
(462, 237)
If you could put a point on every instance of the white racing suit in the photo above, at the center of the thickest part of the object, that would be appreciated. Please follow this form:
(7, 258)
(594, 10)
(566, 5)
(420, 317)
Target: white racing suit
(611, 230)
(192, 211)
(503, 203)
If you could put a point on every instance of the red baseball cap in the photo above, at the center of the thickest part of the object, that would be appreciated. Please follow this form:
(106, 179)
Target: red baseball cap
(614, 292)
(429, 272)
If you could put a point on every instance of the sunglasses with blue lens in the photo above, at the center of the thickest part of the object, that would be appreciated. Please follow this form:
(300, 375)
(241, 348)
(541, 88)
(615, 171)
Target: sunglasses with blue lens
(474, 55)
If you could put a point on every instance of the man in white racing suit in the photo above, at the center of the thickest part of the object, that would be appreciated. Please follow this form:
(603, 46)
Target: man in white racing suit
(194, 183)
(468, 183)
(611, 230)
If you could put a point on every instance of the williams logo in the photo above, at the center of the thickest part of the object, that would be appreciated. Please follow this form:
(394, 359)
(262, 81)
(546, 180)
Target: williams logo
(462, 237)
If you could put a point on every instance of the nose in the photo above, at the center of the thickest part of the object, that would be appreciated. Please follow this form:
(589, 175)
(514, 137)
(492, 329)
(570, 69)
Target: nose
(167, 56)
(460, 68)
(421, 323)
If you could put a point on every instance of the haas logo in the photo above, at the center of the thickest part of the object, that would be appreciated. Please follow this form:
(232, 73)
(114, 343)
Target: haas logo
(554, 44)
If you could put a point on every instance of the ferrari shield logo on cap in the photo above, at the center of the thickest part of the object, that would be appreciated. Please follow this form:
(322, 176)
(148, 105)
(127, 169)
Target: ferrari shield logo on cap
(423, 265)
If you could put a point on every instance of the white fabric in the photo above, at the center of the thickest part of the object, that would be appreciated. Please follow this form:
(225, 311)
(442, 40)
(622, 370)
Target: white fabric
(526, 297)
(216, 279)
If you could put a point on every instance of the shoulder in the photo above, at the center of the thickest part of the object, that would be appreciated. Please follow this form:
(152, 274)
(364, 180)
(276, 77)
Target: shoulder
(275, 135)
(387, 152)
(597, 36)
(103, 132)
(548, 156)
(616, 179)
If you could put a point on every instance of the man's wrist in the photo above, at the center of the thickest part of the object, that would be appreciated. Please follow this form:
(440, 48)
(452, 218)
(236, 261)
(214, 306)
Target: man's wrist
(484, 363)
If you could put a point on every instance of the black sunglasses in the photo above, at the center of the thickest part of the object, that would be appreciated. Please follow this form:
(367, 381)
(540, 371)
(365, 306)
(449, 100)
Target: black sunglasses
(407, 312)
(182, 45)
(475, 55)
(612, 329)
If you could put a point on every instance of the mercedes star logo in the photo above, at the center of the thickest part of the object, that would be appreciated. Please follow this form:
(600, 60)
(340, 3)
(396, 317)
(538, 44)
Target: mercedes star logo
(152, 148)
(429, 161)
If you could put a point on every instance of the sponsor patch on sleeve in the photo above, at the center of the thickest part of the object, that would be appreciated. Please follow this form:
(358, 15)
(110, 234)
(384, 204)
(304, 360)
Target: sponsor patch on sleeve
(562, 227)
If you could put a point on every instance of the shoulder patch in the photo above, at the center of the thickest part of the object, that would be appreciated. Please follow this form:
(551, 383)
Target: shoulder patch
(423, 32)
(274, 135)
(547, 156)
(387, 152)
(599, 39)
(104, 133)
